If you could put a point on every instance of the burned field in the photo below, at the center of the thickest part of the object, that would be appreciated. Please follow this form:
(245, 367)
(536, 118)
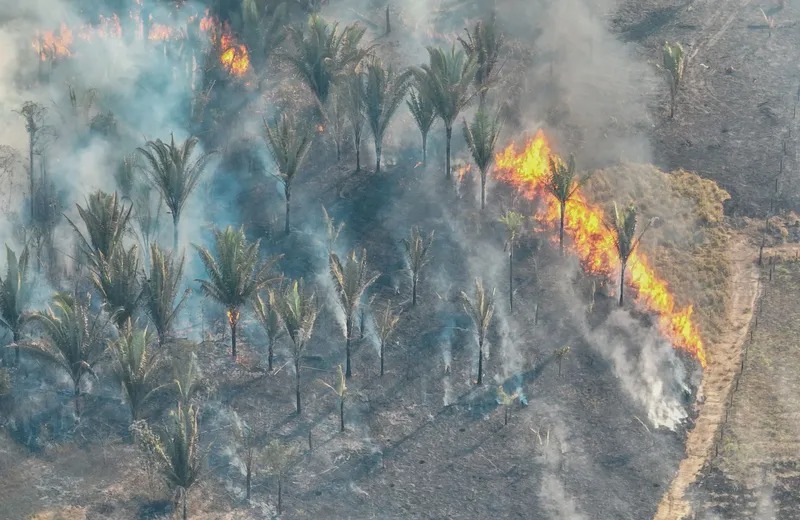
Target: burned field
(344, 260)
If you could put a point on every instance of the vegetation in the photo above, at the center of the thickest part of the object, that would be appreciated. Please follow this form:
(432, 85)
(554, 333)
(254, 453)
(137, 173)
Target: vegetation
(483, 44)
(623, 229)
(480, 308)
(350, 279)
(506, 400)
(562, 185)
(160, 291)
(117, 280)
(298, 312)
(674, 61)
(424, 112)
(385, 90)
(34, 115)
(267, 315)
(513, 222)
(481, 137)
(235, 275)
(278, 458)
(355, 97)
(136, 366)
(386, 322)
(417, 247)
(15, 295)
(560, 354)
(107, 221)
(340, 390)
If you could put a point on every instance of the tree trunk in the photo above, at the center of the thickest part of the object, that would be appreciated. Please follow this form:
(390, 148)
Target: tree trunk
(348, 331)
(248, 479)
(505, 418)
(559, 365)
(511, 276)
(16, 347)
(233, 323)
(338, 150)
(358, 155)
(76, 397)
(672, 95)
(424, 148)
(30, 172)
(449, 134)
(622, 282)
(378, 149)
(297, 385)
(270, 354)
(413, 291)
(341, 414)
(288, 193)
(483, 190)
(175, 221)
(561, 228)
(480, 362)
(185, 492)
(382, 351)
(280, 508)
(388, 22)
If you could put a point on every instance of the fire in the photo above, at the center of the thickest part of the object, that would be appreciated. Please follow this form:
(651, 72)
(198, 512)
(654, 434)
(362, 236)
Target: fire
(528, 170)
(233, 316)
(161, 32)
(52, 45)
(233, 55)
(461, 171)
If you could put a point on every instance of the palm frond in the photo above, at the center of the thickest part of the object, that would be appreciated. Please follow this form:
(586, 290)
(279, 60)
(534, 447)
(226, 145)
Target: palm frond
(160, 290)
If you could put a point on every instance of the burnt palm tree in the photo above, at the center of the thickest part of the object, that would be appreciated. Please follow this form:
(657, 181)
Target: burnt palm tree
(298, 312)
(563, 184)
(235, 275)
(160, 291)
(481, 309)
(278, 458)
(384, 92)
(674, 61)
(107, 221)
(288, 143)
(341, 391)
(484, 44)
(136, 366)
(117, 280)
(350, 279)
(445, 81)
(417, 246)
(386, 323)
(174, 173)
(15, 294)
(513, 222)
(267, 314)
(75, 339)
(623, 232)
(355, 107)
(424, 113)
(481, 137)
(323, 55)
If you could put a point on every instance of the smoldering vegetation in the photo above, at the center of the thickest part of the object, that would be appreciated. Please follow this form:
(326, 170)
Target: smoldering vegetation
(583, 405)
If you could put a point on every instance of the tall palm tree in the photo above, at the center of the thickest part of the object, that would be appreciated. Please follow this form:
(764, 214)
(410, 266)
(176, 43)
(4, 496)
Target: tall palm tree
(15, 294)
(355, 107)
(513, 222)
(481, 137)
(75, 339)
(481, 309)
(483, 43)
(266, 311)
(674, 61)
(562, 184)
(116, 278)
(385, 323)
(384, 92)
(417, 247)
(298, 312)
(264, 25)
(424, 113)
(341, 391)
(174, 173)
(623, 231)
(160, 290)
(445, 81)
(235, 275)
(288, 143)
(136, 366)
(350, 279)
(107, 221)
(323, 55)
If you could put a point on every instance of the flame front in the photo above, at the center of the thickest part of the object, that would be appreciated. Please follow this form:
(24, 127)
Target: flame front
(529, 170)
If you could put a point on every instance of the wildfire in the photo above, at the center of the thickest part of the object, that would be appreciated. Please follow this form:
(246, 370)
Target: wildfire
(462, 170)
(528, 170)
(233, 316)
(52, 45)
(232, 54)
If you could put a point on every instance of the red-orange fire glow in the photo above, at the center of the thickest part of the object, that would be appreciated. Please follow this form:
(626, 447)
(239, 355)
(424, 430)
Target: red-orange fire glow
(54, 44)
(529, 170)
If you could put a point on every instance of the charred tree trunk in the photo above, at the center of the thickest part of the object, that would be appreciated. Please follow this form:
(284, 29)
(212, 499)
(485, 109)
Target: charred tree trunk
(297, 385)
(561, 228)
(424, 148)
(270, 349)
(382, 352)
(30, 173)
(378, 149)
(505, 416)
(248, 478)
(16, 346)
(480, 362)
(622, 282)
(288, 192)
(176, 218)
(413, 291)
(358, 155)
(348, 332)
(233, 322)
(511, 276)
(483, 190)
(185, 492)
(388, 22)
(449, 135)
(341, 415)
(280, 504)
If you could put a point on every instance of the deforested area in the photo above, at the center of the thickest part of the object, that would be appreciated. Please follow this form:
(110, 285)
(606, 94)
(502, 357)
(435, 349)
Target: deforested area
(406, 259)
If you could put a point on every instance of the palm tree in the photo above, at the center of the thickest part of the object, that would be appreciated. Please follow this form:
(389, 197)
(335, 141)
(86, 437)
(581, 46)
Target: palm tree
(386, 323)
(483, 43)
(267, 314)
(264, 25)
(340, 390)
(424, 113)
(385, 91)
(15, 294)
(288, 143)
(278, 458)
(125, 175)
(174, 173)
(623, 230)
(506, 400)
(160, 291)
(350, 279)
(562, 184)
(445, 82)
(355, 106)
(116, 278)
(107, 221)
(513, 222)
(480, 309)
(417, 248)
(560, 354)
(674, 62)
(481, 136)
(136, 366)
(235, 275)
(75, 338)
(298, 312)
(323, 55)
(336, 114)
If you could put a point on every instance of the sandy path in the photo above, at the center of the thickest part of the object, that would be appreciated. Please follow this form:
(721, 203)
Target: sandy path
(724, 362)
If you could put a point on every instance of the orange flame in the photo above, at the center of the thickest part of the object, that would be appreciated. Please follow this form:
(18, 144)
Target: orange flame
(233, 55)
(529, 170)
(461, 171)
(53, 45)
(233, 317)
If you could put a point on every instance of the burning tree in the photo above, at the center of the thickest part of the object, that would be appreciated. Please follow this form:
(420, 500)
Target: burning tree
(15, 295)
(424, 112)
(278, 458)
(341, 391)
(75, 339)
(483, 44)
(116, 278)
(506, 400)
(386, 322)
(417, 247)
(298, 312)
(264, 26)
(288, 143)
(136, 366)
(562, 184)
(674, 61)
(235, 275)
(445, 81)
(513, 222)
(481, 309)
(267, 314)
(160, 290)
(354, 92)
(623, 229)
(560, 354)
(481, 137)
(34, 115)
(174, 174)
(385, 91)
